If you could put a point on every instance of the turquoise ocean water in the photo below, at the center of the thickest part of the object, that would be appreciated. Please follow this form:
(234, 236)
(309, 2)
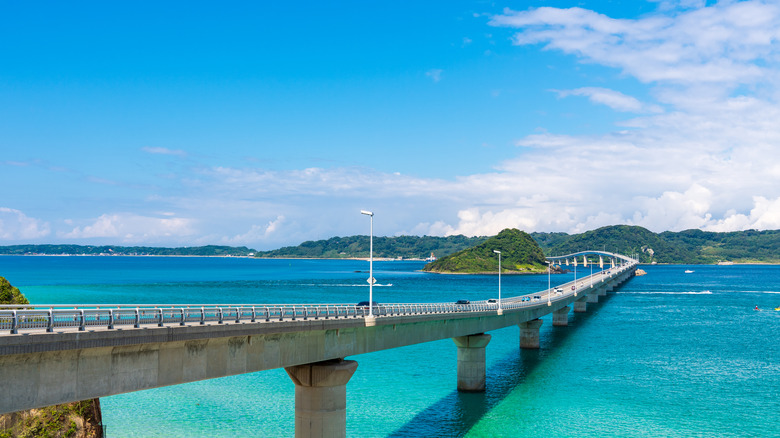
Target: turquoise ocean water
(669, 354)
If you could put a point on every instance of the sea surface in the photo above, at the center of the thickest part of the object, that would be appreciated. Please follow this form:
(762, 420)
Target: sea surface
(669, 354)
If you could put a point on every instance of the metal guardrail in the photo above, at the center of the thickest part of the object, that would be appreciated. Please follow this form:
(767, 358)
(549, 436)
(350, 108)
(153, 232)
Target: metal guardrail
(82, 317)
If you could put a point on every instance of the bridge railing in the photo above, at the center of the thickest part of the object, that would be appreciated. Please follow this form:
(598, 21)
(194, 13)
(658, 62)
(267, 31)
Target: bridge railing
(50, 317)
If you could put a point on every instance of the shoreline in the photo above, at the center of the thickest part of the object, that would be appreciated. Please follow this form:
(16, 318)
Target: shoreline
(488, 273)
(381, 259)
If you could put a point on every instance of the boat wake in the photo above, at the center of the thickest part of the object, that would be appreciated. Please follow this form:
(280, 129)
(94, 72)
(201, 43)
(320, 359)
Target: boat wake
(702, 292)
(345, 285)
(760, 291)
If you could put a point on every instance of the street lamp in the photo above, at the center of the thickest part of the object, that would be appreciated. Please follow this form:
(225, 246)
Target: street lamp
(549, 263)
(370, 265)
(499, 280)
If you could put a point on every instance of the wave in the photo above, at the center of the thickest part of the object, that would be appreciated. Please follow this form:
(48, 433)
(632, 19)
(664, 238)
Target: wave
(345, 285)
(758, 291)
(703, 292)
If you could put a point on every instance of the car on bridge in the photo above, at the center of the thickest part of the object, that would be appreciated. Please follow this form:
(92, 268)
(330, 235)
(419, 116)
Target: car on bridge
(463, 302)
(492, 300)
(525, 299)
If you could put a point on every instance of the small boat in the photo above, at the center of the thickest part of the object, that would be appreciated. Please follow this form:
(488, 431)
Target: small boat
(688, 271)
(777, 309)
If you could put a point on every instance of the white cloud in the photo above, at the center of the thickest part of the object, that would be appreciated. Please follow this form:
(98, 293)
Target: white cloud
(675, 210)
(611, 98)
(256, 233)
(434, 74)
(765, 215)
(724, 44)
(132, 228)
(15, 226)
(164, 151)
(666, 5)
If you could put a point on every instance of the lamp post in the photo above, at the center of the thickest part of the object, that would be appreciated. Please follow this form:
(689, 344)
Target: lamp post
(575, 273)
(500, 312)
(370, 265)
(548, 282)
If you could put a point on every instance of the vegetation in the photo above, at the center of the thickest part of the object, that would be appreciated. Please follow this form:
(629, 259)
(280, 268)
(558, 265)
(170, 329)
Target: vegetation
(520, 254)
(684, 247)
(749, 246)
(69, 420)
(10, 294)
(79, 419)
(687, 247)
(384, 247)
(209, 250)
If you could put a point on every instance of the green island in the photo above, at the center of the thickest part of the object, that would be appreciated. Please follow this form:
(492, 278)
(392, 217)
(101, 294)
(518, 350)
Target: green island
(79, 419)
(520, 254)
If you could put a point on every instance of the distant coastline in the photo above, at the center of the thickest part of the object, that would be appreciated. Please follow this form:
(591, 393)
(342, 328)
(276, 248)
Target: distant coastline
(114, 250)
(693, 247)
(376, 259)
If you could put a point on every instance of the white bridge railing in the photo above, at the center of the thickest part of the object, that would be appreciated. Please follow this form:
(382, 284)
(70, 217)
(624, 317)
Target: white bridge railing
(110, 317)
(81, 317)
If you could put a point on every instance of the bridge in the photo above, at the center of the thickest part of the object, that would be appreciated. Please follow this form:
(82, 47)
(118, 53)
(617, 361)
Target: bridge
(64, 353)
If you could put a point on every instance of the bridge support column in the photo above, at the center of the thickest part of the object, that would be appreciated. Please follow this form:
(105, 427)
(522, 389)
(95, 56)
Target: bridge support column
(581, 305)
(321, 397)
(471, 362)
(601, 291)
(529, 334)
(561, 317)
(593, 297)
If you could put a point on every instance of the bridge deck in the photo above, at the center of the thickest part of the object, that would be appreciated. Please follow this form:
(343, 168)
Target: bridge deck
(53, 359)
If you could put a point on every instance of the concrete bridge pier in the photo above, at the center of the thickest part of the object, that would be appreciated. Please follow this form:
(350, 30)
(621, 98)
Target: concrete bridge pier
(581, 305)
(593, 296)
(471, 362)
(321, 397)
(529, 334)
(561, 317)
(601, 291)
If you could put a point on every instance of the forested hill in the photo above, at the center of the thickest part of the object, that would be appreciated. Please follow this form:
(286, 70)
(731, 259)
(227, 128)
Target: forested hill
(683, 247)
(520, 254)
(210, 250)
(408, 247)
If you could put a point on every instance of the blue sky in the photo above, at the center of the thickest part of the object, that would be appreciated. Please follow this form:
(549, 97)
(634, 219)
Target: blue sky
(260, 124)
